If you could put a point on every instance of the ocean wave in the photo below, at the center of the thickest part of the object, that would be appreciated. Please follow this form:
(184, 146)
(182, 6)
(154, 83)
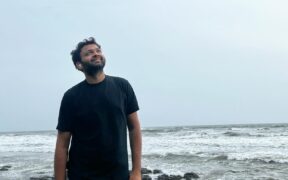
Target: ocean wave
(285, 125)
(27, 143)
(186, 157)
(230, 133)
(261, 156)
(236, 134)
(220, 157)
(47, 149)
(262, 160)
(171, 156)
(163, 130)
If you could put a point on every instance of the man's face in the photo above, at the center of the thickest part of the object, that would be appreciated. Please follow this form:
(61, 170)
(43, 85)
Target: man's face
(92, 59)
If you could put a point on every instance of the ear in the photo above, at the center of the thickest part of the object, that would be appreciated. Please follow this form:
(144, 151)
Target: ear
(79, 66)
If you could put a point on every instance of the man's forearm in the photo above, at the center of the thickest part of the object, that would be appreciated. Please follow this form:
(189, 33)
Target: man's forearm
(60, 163)
(136, 148)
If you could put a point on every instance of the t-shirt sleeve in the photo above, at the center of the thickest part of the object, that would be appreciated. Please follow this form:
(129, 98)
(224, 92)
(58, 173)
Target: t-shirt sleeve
(65, 114)
(132, 103)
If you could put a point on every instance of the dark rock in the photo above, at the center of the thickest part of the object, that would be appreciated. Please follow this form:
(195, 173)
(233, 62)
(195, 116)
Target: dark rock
(221, 157)
(235, 171)
(42, 178)
(157, 171)
(175, 177)
(272, 162)
(171, 177)
(145, 171)
(163, 177)
(5, 168)
(191, 175)
(146, 177)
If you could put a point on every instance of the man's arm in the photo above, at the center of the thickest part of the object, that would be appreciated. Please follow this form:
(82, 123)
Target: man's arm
(61, 155)
(135, 144)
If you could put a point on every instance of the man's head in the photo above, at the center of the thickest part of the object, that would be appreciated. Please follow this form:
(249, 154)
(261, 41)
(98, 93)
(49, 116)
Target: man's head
(88, 57)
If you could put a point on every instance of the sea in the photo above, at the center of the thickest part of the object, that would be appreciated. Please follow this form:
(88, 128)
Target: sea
(222, 152)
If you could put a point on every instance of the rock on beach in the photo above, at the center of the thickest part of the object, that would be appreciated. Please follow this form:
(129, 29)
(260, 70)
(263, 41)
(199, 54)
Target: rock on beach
(42, 178)
(146, 175)
(147, 172)
(5, 168)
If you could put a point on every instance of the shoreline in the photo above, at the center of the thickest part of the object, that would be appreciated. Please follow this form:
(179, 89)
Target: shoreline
(147, 174)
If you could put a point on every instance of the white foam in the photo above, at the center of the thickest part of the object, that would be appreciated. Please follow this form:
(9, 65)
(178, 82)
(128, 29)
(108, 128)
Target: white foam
(210, 143)
(27, 143)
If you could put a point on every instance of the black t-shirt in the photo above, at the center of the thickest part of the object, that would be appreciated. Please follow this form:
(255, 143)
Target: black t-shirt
(96, 116)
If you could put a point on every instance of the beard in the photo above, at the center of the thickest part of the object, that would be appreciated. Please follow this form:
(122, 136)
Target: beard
(92, 69)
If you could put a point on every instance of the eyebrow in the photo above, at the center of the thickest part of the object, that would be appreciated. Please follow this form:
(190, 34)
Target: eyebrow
(94, 49)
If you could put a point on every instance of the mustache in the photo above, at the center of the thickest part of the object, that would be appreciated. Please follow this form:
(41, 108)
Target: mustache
(94, 58)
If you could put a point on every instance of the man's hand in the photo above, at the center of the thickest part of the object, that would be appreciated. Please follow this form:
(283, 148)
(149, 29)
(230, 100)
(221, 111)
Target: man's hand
(136, 145)
(135, 175)
(61, 151)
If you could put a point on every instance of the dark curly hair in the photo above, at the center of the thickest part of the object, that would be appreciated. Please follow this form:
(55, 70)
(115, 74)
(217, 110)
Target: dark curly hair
(76, 52)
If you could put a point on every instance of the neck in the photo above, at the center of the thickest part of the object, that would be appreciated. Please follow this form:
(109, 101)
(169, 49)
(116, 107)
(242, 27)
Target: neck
(96, 78)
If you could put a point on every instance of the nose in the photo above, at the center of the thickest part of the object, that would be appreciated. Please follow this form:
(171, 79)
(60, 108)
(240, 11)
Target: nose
(95, 54)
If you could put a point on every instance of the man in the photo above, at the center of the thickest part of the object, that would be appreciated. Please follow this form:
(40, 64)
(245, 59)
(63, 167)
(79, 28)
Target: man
(96, 113)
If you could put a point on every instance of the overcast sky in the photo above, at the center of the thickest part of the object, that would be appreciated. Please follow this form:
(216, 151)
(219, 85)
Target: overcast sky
(190, 62)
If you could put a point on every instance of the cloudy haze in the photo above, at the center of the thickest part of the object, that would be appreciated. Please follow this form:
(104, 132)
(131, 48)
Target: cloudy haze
(190, 62)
